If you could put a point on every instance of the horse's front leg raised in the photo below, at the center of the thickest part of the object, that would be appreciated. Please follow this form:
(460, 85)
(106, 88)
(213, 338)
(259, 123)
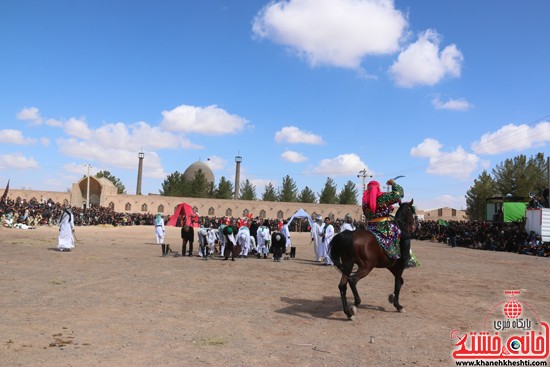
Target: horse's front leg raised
(343, 286)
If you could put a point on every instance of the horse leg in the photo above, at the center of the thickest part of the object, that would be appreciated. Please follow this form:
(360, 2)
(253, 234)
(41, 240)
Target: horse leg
(353, 286)
(397, 272)
(343, 286)
(354, 279)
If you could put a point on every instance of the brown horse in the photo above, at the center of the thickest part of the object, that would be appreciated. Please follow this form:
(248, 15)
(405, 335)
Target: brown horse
(361, 248)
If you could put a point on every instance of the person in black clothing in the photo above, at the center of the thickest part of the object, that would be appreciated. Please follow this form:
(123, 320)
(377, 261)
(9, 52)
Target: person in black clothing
(278, 244)
(254, 230)
(187, 236)
(229, 233)
(451, 231)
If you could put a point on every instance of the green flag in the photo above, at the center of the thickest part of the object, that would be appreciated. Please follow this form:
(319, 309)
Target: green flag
(441, 222)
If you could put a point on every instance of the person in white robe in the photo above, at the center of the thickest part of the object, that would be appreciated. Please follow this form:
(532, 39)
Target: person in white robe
(348, 224)
(316, 237)
(264, 239)
(243, 239)
(285, 231)
(66, 230)
(159, 229)
(202, 235)
(211, 238)
(328, 234)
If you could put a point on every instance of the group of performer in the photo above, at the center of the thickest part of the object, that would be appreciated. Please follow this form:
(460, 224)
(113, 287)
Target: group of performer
(230, 241)
(246, 238)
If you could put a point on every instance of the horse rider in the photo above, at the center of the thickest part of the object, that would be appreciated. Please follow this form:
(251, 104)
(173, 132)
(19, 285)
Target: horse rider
(377, 206)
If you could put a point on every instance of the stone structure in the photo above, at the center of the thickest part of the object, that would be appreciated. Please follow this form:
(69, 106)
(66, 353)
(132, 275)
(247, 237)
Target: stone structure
(189, 174)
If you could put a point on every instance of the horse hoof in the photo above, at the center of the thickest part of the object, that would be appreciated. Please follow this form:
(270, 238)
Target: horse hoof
(352, 312)
(391, 297)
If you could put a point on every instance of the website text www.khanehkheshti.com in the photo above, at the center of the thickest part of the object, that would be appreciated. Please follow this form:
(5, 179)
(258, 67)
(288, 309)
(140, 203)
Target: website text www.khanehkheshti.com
(501, 362)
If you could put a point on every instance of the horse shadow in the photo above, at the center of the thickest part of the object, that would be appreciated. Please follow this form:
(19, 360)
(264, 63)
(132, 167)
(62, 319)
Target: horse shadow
(326, 308)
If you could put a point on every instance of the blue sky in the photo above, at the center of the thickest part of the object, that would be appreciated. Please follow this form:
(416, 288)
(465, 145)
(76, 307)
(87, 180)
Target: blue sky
(433, 90)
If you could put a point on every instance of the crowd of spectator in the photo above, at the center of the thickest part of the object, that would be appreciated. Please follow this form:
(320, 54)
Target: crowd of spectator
(509, 237)
(20, 213)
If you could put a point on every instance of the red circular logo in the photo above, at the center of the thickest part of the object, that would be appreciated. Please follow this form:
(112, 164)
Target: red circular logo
(512, 309)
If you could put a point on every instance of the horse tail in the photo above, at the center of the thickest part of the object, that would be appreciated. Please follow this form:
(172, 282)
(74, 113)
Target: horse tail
(341, 249)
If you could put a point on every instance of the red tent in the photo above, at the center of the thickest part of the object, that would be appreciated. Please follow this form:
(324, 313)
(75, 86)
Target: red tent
(182, 209)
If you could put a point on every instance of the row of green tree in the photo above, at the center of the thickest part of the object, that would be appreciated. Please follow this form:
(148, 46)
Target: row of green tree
(517, 177)
(199, 187)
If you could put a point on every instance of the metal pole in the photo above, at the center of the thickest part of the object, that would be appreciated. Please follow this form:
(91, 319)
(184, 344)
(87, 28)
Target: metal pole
(88, 188)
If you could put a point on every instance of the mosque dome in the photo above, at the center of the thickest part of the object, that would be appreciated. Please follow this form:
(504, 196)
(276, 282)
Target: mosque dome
(189, 174)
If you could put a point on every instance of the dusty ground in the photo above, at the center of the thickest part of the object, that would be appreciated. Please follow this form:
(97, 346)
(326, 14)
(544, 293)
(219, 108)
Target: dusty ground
(114, 301)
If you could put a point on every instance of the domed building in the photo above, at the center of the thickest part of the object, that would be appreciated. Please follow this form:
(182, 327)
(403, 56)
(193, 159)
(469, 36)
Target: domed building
(189, 174)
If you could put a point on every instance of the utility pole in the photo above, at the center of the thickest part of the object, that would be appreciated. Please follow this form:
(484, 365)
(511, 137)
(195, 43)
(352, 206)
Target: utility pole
(88, 187)
(363, 173)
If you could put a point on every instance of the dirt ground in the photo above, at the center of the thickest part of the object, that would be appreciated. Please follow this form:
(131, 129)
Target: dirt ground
(114, 301)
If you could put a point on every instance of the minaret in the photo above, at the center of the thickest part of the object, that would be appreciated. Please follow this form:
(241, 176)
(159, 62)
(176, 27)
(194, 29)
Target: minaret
(140, 171)
(238, 160)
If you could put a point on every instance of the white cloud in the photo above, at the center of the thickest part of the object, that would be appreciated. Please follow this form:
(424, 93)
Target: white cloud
(80, 169)
(137, 136)
(293, 157)
(111, 156)
(54, 122)
(31, 114)
(342, 165)
(209, 120)
(215, 163)
(513, 137)
(17, 161)
(460, 104)
(421, 63)
(428, 148)
(11, 136)
(78, 128)
(293, 135)
(458, 164)
(332, 32)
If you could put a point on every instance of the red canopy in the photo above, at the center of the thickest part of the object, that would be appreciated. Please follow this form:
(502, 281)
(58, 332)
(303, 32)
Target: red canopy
(182, 209)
